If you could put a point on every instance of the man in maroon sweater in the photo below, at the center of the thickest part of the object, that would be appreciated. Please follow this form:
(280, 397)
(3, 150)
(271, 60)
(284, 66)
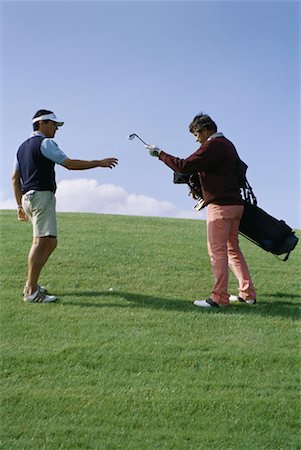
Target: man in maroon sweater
(216, 162)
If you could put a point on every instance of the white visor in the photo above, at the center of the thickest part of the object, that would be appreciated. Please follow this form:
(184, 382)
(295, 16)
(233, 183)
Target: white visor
(51, 116)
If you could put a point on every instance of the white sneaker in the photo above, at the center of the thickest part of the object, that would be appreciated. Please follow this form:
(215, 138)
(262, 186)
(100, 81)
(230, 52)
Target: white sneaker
(38, 297)
(236, 298)
(206, 303)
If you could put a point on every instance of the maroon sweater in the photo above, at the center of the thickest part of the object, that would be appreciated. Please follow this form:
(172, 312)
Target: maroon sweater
(216, 162)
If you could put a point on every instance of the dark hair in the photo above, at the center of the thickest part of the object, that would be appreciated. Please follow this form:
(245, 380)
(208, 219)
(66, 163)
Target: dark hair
(202, 121)
(39, 113)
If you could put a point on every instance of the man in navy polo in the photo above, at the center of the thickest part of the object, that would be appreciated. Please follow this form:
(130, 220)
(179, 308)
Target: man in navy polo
(35, 186)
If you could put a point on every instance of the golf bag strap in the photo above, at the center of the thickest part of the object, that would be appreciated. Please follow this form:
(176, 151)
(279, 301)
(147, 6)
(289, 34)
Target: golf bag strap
(249, 194)
(285, 258)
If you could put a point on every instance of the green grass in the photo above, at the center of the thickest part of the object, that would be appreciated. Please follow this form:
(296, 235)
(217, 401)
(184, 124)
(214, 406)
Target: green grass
(140, 367)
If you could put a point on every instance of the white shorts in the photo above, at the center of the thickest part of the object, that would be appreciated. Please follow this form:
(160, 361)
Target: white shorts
(39, 207)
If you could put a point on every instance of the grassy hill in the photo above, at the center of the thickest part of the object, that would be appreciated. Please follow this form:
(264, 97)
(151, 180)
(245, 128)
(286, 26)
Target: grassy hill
(124, 360)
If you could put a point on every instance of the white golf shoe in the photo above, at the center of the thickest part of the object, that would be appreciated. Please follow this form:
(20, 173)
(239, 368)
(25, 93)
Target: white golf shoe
(38, 297)
(206, 303)
(236, 299)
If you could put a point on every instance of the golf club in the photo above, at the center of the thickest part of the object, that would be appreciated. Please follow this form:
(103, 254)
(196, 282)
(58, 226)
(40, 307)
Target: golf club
(132, 136)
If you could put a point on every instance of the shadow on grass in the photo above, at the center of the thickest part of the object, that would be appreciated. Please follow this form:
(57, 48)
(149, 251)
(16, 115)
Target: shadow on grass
(272, 307)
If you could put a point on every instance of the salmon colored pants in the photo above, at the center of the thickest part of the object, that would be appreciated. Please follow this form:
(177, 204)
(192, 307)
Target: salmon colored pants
(223, 249)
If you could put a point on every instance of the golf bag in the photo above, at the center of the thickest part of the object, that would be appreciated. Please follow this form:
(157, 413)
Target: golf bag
(271, 234)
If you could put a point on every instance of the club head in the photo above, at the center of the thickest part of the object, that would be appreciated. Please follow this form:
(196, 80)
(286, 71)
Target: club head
(133, 135)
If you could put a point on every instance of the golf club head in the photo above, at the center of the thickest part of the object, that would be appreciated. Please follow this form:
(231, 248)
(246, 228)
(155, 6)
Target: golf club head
(133, 135)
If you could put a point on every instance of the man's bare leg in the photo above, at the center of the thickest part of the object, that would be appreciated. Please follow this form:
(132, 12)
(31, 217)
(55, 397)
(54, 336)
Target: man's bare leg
(40, 250)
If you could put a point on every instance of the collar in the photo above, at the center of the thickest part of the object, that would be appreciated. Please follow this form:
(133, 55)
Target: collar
(215, 135)
(37, 133)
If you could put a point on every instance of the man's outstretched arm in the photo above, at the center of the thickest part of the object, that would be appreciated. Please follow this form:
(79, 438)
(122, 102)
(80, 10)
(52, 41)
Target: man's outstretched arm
(79, 164)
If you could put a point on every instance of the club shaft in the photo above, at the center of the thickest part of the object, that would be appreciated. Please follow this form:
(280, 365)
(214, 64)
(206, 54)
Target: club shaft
(141, 139)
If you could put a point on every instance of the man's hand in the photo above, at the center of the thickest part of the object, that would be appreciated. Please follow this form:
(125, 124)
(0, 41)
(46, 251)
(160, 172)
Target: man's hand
(109, 162)
(22, 215)
(153, 150)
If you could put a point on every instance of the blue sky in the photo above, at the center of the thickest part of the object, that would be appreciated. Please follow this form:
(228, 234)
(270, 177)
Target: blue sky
(113, 68)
